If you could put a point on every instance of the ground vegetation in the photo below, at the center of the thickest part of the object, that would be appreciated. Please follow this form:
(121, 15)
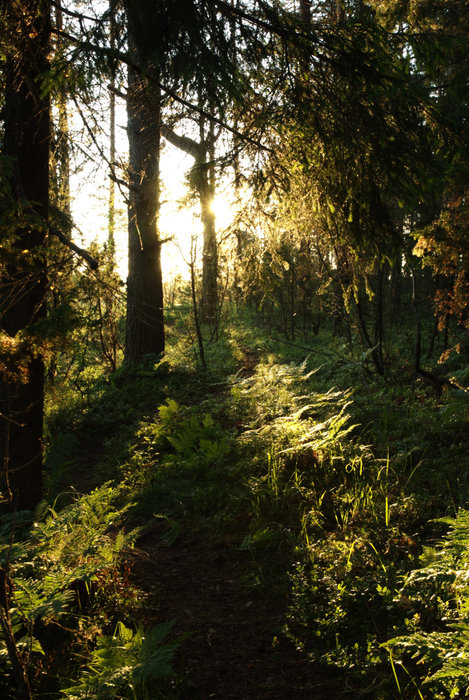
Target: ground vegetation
(250, 481)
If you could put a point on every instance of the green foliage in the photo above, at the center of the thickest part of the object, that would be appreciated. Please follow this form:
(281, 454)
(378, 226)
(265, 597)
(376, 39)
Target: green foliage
(193, 438)
(57, 563)
(327, 491)
(84, 319)
(346, 506)
(196, 437)
(307, 437)
(331, 492)
(128, 665)
(438, 596)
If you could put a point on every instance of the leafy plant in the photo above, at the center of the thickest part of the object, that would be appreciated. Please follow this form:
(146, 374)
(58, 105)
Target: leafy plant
(438, 594)
(193, 437)
(53, 563)
(123, 666)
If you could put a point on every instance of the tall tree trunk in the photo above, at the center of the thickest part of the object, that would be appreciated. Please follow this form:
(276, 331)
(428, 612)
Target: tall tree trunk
(62, 154)
(26, 142)
(339, 10)
(205, 178)
(209, 305)
(59, 177)
(200, 340)
(379, 322)
(144, 324)
(112, 135)
(396, 285)
(305, 11)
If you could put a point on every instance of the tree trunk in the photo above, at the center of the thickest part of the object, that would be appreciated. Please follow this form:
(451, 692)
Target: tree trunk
(305, 11)
(144, 325)
(112, 134)
(26, 142)
(205, 188)
(396, 285)
(200, 340)
(379, 323)
(203, 180)
(62, 154)
(339, 11)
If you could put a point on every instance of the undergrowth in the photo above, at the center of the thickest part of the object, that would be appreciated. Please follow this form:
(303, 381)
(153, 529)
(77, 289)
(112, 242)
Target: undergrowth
(435, 646)
(65, 586)
(346, 493)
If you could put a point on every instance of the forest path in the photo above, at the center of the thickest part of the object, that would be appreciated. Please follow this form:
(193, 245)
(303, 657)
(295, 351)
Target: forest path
(233, 646)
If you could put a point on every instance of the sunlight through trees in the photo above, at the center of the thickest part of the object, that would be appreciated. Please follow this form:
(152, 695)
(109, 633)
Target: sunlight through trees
(234, 284)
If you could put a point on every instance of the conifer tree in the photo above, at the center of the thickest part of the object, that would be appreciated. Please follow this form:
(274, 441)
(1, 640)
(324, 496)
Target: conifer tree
(26, 145)
(144, 325)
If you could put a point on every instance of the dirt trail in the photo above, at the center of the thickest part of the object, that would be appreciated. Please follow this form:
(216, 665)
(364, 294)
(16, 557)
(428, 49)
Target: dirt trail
(234, 647)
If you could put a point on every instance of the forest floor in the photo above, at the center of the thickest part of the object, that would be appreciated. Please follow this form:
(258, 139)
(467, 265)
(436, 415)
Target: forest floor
(275, 519)
(232, 644)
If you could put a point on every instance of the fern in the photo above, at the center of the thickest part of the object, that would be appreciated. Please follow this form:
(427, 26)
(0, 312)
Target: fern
(123, 666)
(193, 438)
(444, 585)
(58, 550)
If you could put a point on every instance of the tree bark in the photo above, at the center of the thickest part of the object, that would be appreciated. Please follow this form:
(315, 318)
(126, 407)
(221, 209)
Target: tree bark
(305, 12)
(340, 11)
(26, 143)
(144, 324)
(112, 134)
(206, 187)
(62, 154)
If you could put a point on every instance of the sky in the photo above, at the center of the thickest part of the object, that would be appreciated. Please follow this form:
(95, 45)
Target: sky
(90, 191)
(89, 185)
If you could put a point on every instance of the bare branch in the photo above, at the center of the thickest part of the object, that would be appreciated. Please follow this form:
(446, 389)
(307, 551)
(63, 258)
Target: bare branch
(184, 143)
(75, 15)
(73, 246)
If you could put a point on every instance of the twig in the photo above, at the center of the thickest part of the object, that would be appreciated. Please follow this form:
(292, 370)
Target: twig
(16, 661)
(302, 347)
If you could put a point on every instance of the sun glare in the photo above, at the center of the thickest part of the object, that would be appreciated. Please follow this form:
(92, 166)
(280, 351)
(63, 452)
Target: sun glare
(178, 225)
(222, 207)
